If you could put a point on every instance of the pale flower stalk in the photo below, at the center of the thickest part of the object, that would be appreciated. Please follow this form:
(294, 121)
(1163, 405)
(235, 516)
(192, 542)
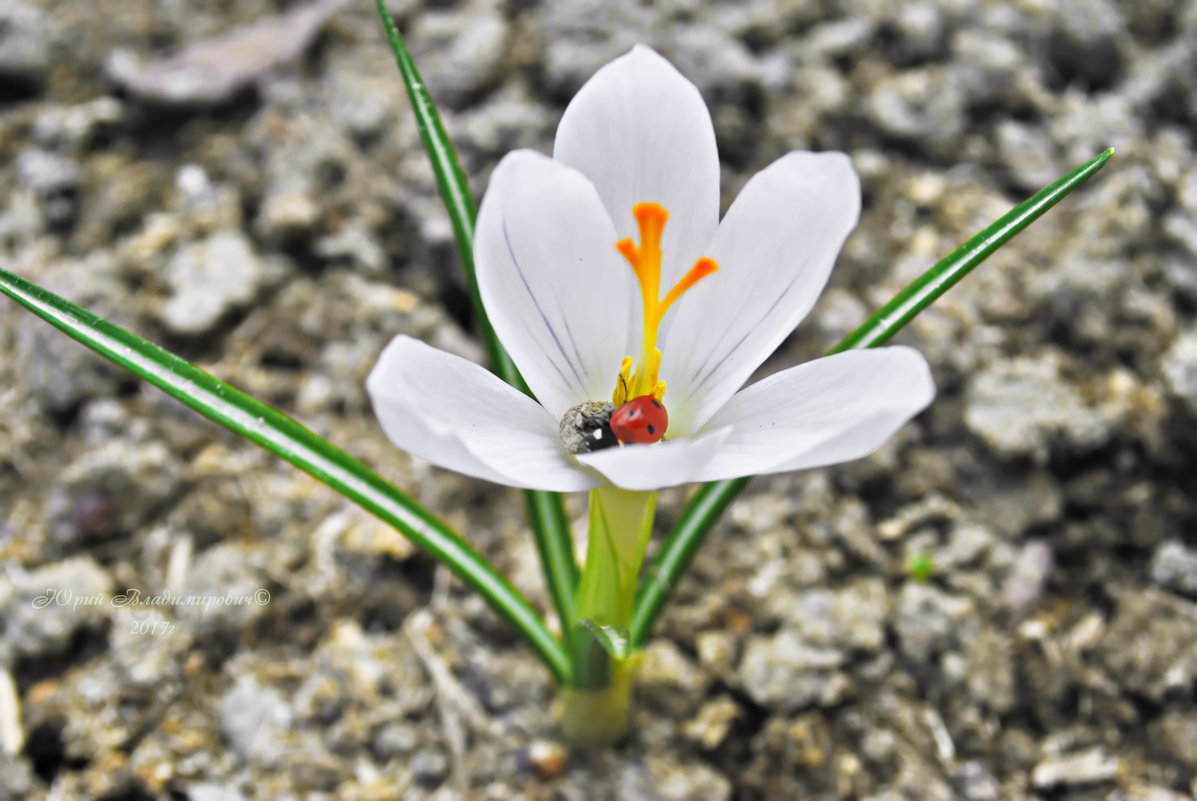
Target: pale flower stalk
(576, 256)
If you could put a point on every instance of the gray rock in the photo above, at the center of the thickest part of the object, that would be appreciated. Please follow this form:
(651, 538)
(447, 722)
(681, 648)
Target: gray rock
(149, 647)
(1150, 647)
(921, 105)
(74, 126)
(17, 779)
(1147, 794)
(1179, 366)
(670, 679)
(852, 618)
(394, 739)
(225, 592)
(212, 71)
(54, 178)
(1174, 566)
(786, 672)
(45, 172)
(1175, 733)
(56, 371)
(1028, 576)
(117, 486)
(27, 43)
(209, 279)
(1018, 407)
(976, 783)
(254, 719)
(44, 608)
(460, 51)
(1069, 770)
(213, 792)
(429, 768)
(929, 621)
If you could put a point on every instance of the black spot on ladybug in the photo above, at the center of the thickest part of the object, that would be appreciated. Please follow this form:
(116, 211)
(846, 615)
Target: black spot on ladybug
(651, 429)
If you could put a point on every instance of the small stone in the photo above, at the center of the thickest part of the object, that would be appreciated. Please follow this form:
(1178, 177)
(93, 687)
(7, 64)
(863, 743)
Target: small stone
(1176, 733)
(118, 486)
(976, 783)
(548, 759)
(587, 427)
(429, 768)
(1028, 577)
(48, 605)
(1150, 646)
(148, 647)
(1017, 407)
(75, 126)
(213, 71)
(710, 727)
(226, 591)
(55, 179)
(789, 673)
(1179, 366)
(214, 792)
(26, 45)
(461, 51)
(1148, 794)
(716, 650)
(670, 678)
(929, 621)
(211, 278)
(394, 739)
(254, 719)
(1070, 770)
(1174, 566)
(673, 781)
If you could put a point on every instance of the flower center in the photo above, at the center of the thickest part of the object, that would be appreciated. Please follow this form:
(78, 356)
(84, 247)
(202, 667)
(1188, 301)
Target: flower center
(646, 264)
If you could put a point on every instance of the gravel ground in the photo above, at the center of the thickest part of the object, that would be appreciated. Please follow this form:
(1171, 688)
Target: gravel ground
(243, 182)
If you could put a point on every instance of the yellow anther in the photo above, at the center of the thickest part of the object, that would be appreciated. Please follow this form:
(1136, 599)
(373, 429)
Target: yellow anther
(645, 260)
(624, 382)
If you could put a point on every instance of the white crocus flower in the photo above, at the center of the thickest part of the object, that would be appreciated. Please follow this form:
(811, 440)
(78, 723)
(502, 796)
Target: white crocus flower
(635, 151)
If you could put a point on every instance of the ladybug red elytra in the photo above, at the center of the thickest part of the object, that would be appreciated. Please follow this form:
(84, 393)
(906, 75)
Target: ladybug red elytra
(641, 420)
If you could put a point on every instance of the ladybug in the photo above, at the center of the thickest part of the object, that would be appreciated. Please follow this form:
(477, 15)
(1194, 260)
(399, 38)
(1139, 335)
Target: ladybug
(640, 421)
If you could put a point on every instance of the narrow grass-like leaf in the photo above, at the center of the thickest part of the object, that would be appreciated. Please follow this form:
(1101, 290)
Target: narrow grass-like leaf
(279, 434)
(454, 189)
(709, 502)
(546, 512)
(614, 639)
(927, 288)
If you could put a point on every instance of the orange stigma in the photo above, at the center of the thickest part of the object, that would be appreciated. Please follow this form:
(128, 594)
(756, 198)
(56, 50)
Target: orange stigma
(645, 260)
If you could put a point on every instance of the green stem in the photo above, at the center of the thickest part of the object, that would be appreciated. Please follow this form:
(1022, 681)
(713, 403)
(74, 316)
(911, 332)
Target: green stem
(704, 509)
(546, 511)
(555, 544)
(594, 708)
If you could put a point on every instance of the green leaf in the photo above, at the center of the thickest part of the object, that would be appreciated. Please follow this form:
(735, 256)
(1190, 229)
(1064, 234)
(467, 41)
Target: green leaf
(615, 640)
(279, 434)
(546, 512)
(712, 499)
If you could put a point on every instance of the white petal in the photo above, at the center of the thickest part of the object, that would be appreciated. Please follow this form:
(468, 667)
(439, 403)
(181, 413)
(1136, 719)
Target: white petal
(641, 133)
(830, 410)
(453, 413)
(665, 464)
(555, 288)
(775, 250)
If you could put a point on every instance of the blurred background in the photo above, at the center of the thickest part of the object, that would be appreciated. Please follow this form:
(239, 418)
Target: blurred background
(1001, 604)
